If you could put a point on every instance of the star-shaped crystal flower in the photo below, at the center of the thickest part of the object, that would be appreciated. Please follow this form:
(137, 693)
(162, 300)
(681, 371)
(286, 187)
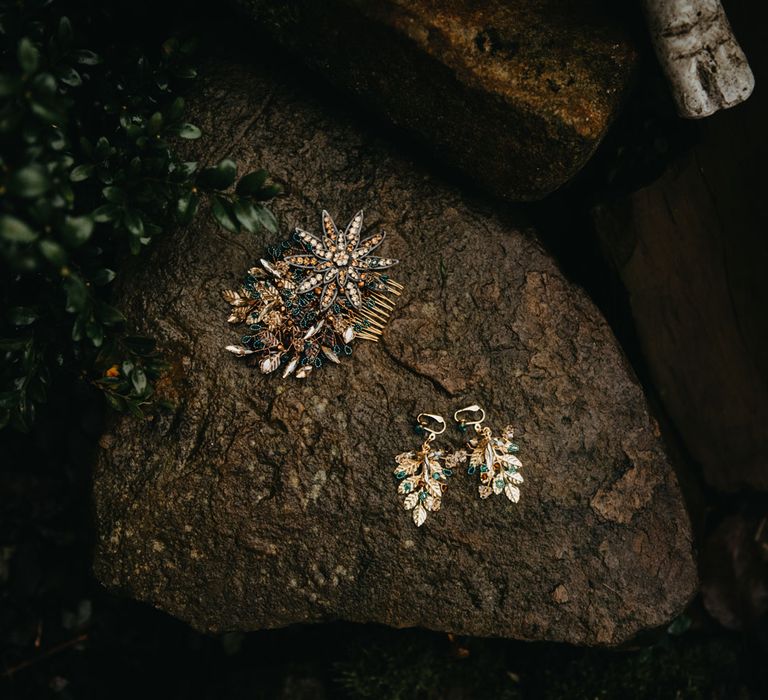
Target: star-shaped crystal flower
(338, 262)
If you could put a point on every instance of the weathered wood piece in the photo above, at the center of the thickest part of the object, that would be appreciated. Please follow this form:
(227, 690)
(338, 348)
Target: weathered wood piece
(706, 68)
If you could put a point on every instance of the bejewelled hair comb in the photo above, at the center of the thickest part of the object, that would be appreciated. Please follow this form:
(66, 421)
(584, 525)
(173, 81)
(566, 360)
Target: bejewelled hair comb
(313, 298)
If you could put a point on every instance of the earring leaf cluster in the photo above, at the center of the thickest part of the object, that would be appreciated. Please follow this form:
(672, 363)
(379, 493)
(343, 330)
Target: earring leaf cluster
(493, 458)
(424, 473)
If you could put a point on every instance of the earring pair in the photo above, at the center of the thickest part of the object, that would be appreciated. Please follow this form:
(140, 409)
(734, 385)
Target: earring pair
(424, 473)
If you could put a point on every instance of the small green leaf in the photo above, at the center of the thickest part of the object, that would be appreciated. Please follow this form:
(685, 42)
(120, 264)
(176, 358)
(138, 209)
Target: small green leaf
(134, 131)
(12, 345)
(22, 315)
(77, 293)
(680, 625)
(189, 131)
(133, 408)
(268, 192)
(103, 276)
(186, 206)
(58, 142)
(87, 58)
(175, 109)
(133, 222)
(81, 172)
(65, 191)
(77, 329)
(187, 168)
(109, 315)
(15, 230)
(139, 380)
(220, 177)
(246, 215)
(47, 113)
(185, 72)
(170, 46)
(28, 55)
(266, 218)
(53, 252)
(106, 212)
(154, 124)
(102, 150)
(223, 215)
(44, 85)
(77, 230)
(69, 76)
(30, 181)
(95, 332)
(65, 33)
(114, 194)
(252, 182)
(115, 401)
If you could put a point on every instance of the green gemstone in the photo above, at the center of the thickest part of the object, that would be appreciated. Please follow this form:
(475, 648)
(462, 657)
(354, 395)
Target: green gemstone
(471, 470)
(406, 488)
(483, 468)
(400, 475)
(513, 447)
(423, 496)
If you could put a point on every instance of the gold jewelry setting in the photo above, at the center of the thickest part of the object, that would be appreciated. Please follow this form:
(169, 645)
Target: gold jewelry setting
(493, 457)
(313, 298)
(424, 474)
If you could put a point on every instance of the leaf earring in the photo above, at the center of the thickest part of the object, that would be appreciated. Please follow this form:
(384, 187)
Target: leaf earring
(493, 457)
(423, 474)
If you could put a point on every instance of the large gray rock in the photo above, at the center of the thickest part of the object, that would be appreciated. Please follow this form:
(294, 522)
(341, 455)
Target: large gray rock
(516, 93)
(259, 502)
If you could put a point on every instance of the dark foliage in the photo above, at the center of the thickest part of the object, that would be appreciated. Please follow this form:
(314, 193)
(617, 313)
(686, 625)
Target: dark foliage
(90, 170)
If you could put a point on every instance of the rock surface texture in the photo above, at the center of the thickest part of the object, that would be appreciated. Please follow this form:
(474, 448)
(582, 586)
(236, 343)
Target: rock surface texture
(259, 502)
(516, 94)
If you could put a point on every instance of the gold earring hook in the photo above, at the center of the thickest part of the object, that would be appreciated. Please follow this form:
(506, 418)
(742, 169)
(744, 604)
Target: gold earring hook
(474, 408)
(437, 419)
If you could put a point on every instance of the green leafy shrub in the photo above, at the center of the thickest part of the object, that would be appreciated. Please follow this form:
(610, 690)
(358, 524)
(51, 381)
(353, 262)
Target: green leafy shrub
(89, 172)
